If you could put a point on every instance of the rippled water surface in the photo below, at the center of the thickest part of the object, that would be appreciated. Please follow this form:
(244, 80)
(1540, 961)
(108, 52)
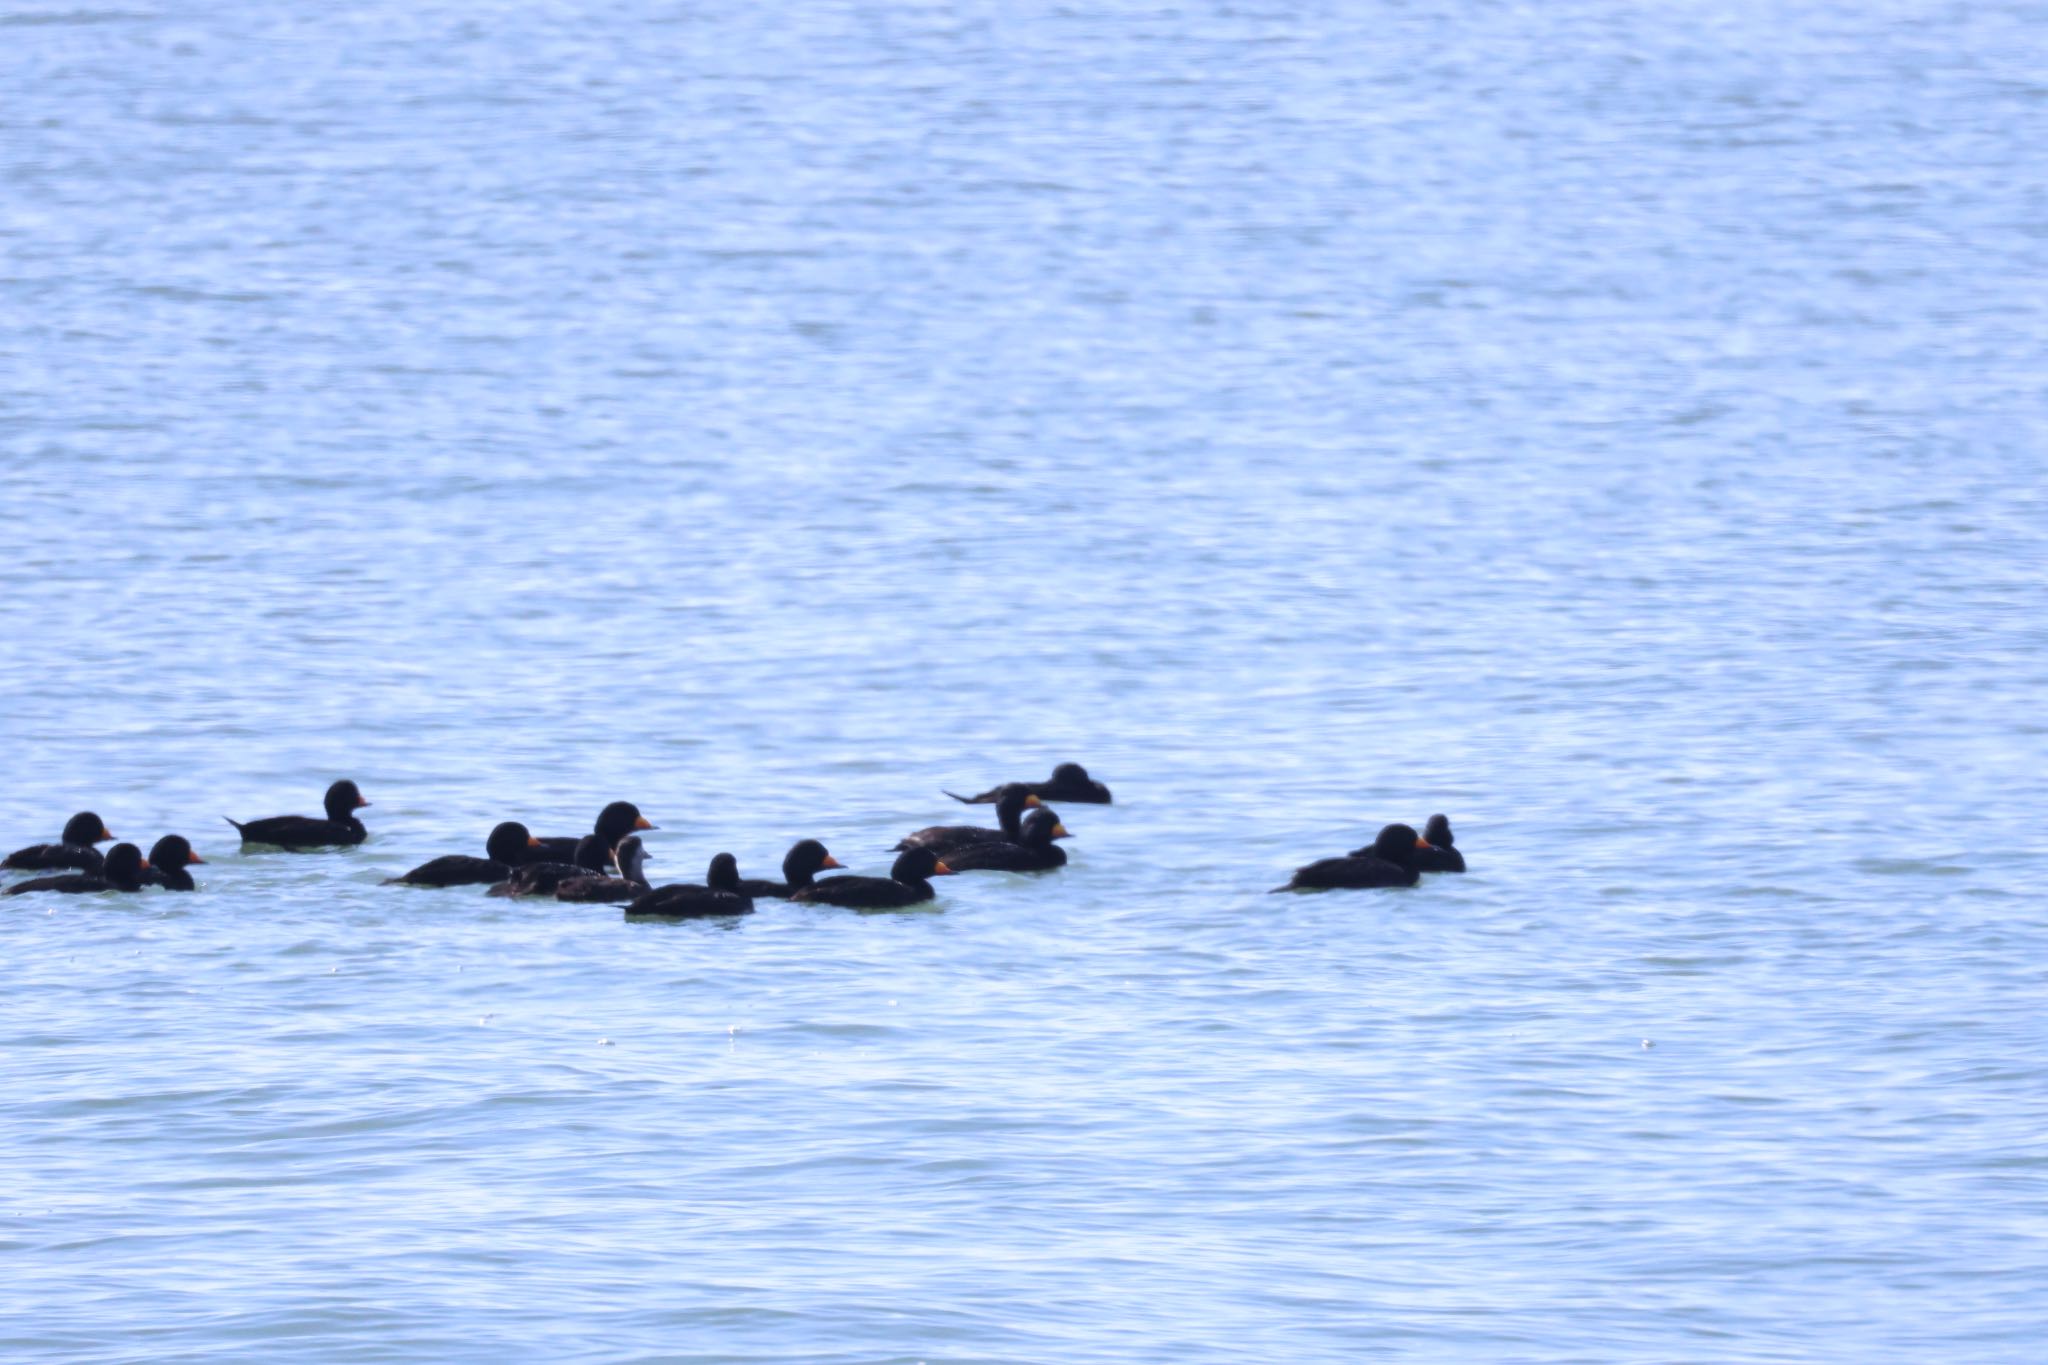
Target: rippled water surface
(1619, 427)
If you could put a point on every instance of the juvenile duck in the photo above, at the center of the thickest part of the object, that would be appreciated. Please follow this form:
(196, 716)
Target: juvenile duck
(631, 861)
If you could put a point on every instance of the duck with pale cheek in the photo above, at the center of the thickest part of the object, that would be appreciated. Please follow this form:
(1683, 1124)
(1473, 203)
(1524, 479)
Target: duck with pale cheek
(542, 878)
(631, 861)
(1440, 855)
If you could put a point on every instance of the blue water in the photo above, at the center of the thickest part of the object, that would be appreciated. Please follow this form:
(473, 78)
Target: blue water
(1619, 427)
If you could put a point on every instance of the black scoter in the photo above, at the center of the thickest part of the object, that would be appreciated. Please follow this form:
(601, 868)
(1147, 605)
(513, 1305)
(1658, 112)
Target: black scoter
(1389, 862)
(1440, 856)
(73, 849)
(1034, 850)
(168, 859)
(719, 896)
(121, 871)
(299, 832)
(943, 839)
(906, 884)
(509, 846)
(1070, 782)
(614, 823)
(800, 867)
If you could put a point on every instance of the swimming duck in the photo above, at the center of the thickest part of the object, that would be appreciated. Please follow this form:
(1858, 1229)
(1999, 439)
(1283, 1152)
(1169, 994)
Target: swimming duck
(720, 895)
(1034, 850)
(800, 866)
(509, 846)
(1069, 782)
(614, 823)
(74, 848)
(121, 871)
(1389, 862)
(299, 832)
(167, 861)
(906, 884)
(943, 839)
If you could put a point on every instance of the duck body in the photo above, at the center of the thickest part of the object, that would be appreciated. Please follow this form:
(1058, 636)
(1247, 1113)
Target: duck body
(168, 859)
(1390, 861)
(717, 898)
(121, 871)
(631, 860)
(74, 848)
(509, 846)
(905, 885)
(1033, 851)
(1069, 782)
(298, 833)
(1015, 797)
(800, 868)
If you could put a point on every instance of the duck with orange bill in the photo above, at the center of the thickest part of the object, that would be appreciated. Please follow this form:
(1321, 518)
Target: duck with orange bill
(1390, 861)
(299, 833)
(74, 848)
(121, 871)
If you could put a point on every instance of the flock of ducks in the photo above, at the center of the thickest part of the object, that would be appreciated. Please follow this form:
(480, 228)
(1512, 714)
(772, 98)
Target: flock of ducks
(608, 865)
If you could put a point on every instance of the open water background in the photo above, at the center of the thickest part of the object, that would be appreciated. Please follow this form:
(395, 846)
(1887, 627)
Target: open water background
(1620, 427)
